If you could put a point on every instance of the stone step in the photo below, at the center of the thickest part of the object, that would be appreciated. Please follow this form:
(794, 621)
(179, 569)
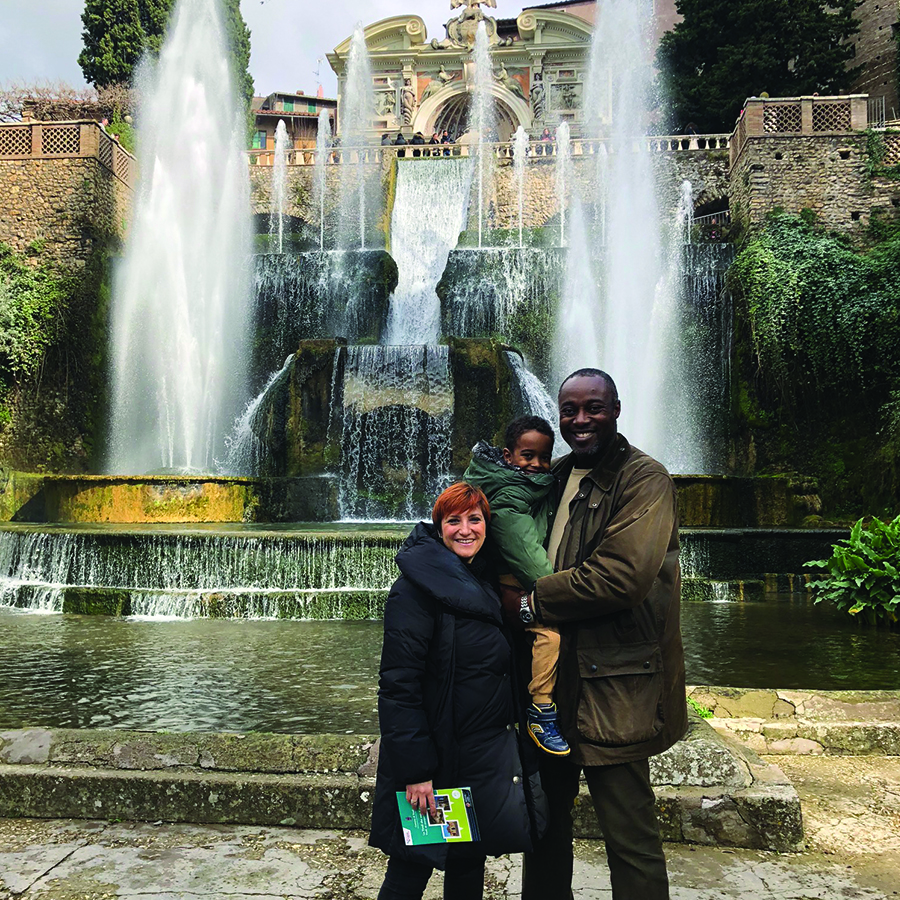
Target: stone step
(708, 789)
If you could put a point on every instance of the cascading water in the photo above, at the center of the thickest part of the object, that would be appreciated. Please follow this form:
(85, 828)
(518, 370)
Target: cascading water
(180, 304)
(429, 213)
(323, 151)
(482, 122)
(246, 452)
(198, 574)
(520, 158)
(533, 397)
(398, 406)
(563, 175)
(279, 183)
(357, 109)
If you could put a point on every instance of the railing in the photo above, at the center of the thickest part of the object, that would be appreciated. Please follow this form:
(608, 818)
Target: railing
(67, 140)
(877, 112)
(376, 155)
(717, 218)
(782, 116)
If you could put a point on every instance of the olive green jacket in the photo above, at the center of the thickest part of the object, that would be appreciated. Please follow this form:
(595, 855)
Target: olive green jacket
(616, 601)
(522, 507)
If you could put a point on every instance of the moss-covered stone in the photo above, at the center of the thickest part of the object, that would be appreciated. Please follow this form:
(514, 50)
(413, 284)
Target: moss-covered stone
(482, 395)
(87, 601)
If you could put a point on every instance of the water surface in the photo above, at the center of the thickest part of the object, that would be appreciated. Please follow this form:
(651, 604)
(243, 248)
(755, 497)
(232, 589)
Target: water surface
(292, 676)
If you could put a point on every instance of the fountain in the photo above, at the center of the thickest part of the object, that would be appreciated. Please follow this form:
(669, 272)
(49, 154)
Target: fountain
(357, 109)
(323, 151)
(520, 158)
(482, 121)
(279, 179)
(563, 175)
(180, 323)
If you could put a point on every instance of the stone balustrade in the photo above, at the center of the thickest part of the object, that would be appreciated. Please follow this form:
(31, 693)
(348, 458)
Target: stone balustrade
(376, 155)
(770, 117)
(67, 140)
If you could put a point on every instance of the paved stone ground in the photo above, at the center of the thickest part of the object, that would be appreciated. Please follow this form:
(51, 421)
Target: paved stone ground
(852, 808)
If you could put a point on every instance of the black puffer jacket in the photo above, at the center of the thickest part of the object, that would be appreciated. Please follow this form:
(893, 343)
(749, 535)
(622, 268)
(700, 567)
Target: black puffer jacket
(447, 707)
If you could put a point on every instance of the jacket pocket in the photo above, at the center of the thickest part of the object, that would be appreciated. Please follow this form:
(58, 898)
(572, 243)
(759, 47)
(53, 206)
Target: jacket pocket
(620, 693)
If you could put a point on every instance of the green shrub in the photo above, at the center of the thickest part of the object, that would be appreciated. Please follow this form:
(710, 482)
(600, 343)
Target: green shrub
(864, 572)
(699, 708)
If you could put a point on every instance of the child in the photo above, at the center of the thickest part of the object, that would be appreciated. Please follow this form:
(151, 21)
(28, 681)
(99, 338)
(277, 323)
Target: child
(519, 488)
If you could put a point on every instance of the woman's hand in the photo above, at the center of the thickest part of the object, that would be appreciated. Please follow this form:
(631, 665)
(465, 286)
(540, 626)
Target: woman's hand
(421, 796)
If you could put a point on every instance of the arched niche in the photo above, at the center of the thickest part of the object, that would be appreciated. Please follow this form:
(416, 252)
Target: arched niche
(512, 110)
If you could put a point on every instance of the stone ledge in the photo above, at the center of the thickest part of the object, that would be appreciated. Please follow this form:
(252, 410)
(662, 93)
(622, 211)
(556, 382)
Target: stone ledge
(709, 789)
(765, 816)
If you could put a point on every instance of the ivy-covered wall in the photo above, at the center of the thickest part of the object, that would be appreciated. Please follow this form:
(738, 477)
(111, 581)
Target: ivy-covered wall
(816, 376)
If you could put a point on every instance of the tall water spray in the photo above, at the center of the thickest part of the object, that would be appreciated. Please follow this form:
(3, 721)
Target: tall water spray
(180, 305)
(563, 175)
(279, 182)
(640, 336)
(520, 158)
(323, 150)
(357, 110)
(482, 121)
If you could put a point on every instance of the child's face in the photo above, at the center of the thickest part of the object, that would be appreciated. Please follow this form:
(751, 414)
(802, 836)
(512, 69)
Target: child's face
(532, 452)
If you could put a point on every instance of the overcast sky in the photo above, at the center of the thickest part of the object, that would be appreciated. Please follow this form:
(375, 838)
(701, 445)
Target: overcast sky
(41, 39)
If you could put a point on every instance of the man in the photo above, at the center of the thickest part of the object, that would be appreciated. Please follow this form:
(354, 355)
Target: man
(615, 597)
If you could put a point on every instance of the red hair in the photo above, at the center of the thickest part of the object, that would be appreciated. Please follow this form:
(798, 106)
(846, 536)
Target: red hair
(457, 499)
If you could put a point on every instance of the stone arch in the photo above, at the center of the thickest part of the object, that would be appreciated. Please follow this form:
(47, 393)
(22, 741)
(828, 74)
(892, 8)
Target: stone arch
(428, 113)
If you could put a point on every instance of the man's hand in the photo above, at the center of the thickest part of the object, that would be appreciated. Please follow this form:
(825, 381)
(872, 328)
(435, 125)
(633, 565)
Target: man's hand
(511, 601)
(421, 796)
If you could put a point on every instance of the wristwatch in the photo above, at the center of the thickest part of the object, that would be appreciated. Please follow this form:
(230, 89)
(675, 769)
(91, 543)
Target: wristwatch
(526, 616)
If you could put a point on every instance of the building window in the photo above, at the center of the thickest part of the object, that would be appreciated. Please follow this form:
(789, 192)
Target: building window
(288, 106)
(311, 107)
(259, 140)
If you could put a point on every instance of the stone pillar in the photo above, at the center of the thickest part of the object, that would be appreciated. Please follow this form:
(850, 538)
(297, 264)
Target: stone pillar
(36, 140)
(859, 112)
(408, 74)
(806, 115)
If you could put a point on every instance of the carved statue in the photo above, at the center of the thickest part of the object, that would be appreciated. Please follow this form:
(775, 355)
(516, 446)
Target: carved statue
(386, 103)
(538, 97)
(442, 79)
(407, 101)
(510, 83)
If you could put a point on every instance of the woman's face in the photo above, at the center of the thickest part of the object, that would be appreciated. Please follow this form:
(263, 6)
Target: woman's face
(464, 533)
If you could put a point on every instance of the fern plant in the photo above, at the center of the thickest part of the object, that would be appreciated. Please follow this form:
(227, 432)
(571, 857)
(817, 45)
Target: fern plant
(863, 576)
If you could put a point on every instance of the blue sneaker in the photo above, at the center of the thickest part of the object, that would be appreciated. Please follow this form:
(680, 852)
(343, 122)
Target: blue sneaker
(543, 730)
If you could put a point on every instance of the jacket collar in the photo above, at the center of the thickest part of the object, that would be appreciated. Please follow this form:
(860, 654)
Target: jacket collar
(604, 473)
(438, 571)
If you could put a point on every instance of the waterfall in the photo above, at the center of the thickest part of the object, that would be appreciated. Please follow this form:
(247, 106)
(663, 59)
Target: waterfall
(279, 180)
(357, 109)
(180, 304)
(172, 574)
(398, 406)
(563, 176)
(323, 150)
(429, 214)
(246, 452)
(520, 158)
(534, 400)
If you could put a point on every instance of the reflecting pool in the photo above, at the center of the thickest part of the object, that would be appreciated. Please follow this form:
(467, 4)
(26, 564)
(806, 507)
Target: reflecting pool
(305, 676)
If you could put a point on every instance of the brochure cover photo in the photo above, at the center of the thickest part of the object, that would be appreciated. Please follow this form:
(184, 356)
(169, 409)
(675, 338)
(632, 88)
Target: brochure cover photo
(453, 820)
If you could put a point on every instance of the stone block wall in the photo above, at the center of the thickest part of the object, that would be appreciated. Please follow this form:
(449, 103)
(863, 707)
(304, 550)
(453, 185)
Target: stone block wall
(825, 173)
(707, 170)
(66, 185)
(876, 52)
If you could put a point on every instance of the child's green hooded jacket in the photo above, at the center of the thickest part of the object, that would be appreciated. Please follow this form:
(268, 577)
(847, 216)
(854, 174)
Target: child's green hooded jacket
(522, 508)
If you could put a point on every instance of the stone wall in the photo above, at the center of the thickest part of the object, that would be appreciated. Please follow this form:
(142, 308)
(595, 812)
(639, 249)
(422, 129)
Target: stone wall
(66, 185)
(707, 170)
(828, 174)
(876, 52)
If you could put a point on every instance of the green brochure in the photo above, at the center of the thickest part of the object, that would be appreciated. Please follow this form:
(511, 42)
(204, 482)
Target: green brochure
(453, 820)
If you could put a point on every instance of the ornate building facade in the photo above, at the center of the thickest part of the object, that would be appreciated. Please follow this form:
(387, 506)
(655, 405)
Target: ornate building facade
(423, 85)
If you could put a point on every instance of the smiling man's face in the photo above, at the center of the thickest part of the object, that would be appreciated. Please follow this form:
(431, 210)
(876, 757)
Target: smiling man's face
(587, 417)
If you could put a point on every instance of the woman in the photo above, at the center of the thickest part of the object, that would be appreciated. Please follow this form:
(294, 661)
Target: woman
(446, 706)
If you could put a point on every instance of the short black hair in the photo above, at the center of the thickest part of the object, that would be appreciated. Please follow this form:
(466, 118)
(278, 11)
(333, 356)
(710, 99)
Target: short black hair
(519, 426)
(593, 373)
